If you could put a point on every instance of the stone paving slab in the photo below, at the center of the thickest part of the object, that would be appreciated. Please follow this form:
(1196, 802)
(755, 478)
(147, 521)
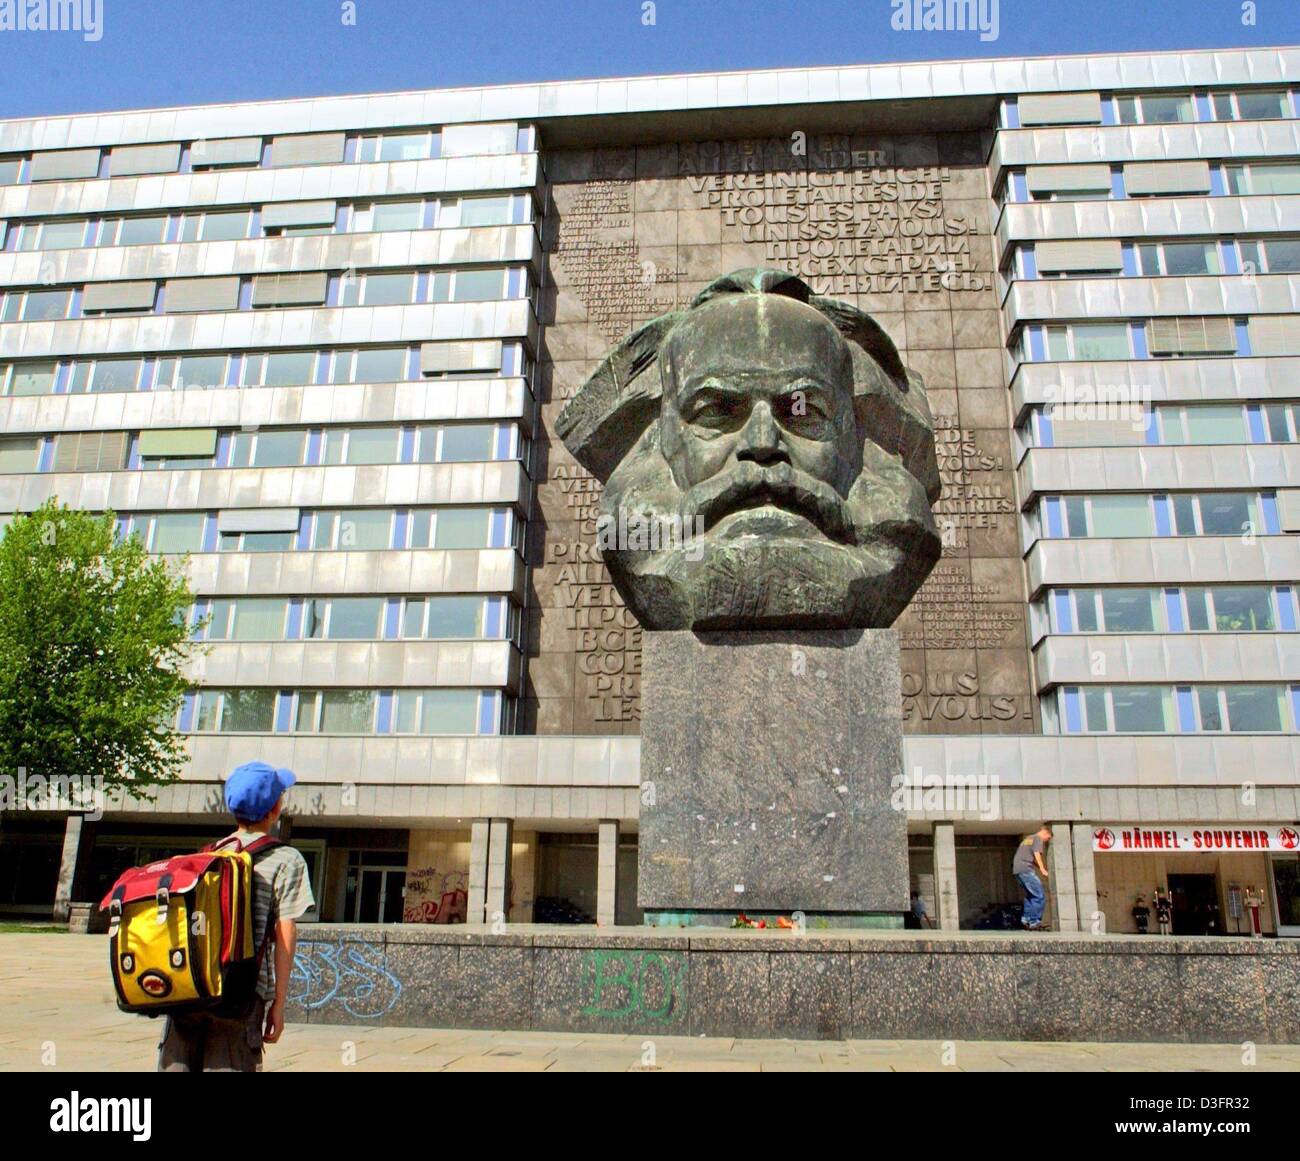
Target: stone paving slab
(59, 1002)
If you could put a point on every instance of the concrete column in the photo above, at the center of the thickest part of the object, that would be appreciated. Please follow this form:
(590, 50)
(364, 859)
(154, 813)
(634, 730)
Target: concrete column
(67, 868)
(476, 890)
(945, 875)
(607, 875)
(1085, 874)
(1060, 861)
(500, 841)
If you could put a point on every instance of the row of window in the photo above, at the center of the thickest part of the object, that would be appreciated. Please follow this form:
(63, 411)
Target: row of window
(1119, 515)
(270, 153)
(1114, 422)
(1226, 179)
(345, 711)
(322, 530)
(227, 225)
(369, 618)
(387, 288)
(203, 448)
(1179, 709)
(285, 368)
(1183, 108)
(1189, 609)
(1158, 338)
(1173, 259)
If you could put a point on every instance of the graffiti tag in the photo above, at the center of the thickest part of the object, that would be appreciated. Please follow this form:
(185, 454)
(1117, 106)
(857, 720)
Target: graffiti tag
(350, 973)
(630, 984)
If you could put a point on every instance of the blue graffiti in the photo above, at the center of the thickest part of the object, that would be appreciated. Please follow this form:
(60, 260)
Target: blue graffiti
(350, 973)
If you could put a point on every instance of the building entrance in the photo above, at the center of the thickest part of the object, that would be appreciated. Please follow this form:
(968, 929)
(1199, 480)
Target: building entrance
(1195, 905)
(1286, 893)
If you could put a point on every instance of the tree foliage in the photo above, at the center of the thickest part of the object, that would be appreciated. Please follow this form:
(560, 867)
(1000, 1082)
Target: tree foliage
(93, 643)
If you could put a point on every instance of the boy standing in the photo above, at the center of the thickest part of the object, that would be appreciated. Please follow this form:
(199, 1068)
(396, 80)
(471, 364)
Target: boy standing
(206, 1041)
(1027, 867)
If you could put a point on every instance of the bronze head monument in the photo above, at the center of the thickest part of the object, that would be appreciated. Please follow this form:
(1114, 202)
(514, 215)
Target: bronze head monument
(767, 461)
(769, 468)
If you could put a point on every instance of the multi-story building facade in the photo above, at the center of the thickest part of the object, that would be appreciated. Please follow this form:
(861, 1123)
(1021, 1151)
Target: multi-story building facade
(320, 346)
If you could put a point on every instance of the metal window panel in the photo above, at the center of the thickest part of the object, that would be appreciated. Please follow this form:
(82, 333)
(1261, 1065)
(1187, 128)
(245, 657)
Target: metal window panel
(277, 214)
(436, 358)
(178, 441)
(1288, 509)
(65, 165)
(258, 520)
(307, 149)
(133, 159)
(1188, 336)
(1060, 108)
(1093, 254)
(1277, 334)
(119, 295)
(290, 289)
(90, 451)
(1167, 177)
(195, 294)
(226, 151)
(1048, 178)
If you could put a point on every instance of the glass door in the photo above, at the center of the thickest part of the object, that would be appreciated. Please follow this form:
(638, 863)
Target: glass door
(1286, 894)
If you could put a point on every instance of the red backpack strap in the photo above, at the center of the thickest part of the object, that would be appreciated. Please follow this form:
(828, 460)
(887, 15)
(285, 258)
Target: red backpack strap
(263, 845)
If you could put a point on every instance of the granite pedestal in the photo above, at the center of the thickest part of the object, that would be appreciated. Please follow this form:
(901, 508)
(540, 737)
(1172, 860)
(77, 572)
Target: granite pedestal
(767, 760)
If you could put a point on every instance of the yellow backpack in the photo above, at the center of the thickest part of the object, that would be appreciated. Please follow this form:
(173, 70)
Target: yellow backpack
(181, 931)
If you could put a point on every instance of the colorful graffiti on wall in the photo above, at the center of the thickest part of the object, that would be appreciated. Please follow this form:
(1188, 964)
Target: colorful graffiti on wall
(434, 896)
(350, 973)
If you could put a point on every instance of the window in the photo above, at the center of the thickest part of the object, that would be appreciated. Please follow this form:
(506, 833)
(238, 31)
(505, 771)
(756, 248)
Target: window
(462, 443)
(370, 365)
(28, 378)
(443, 616)
(1242, 609)
(414, 146)
(279, 369)
(1089, 341)
(257, 541)
(248, 619)
(498, 211)
(104, 375)
(1121, 515)
(382, 216)
(143, 231)
(354, 529)
(378, 290)
(336, 711)
(235, 711)
(20, 454)
(223, 226)
(469, 285)
(36, 305)
(1271, 256)
(172, 532)
(1263, 179)
(1156, 109)
(1227, 514)
(10, 168)
(1251, 105)
(1178, 258)
(1215, 423)
(268, 449)
(52, 235)
(1253, 709)
(363, 445)
(355, 618)
(194, 372)
(1128, 610)
(437, 711)
(1141, 709)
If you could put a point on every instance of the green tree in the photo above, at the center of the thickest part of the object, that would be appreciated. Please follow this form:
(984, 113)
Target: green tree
(93, 639)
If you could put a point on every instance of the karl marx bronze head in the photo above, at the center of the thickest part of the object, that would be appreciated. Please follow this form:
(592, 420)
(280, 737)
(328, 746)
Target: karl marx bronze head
(767, 461)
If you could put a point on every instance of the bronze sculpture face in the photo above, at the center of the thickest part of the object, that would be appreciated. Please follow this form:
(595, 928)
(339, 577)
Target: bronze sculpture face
(768, 462)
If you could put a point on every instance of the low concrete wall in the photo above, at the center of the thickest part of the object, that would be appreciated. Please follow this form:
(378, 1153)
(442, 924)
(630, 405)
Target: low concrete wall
(867, 985)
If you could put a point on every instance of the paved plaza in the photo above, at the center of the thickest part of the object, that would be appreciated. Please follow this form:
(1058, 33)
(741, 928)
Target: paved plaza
(60, 1014)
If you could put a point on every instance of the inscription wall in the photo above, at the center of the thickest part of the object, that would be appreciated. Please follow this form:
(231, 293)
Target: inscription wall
(898, 225)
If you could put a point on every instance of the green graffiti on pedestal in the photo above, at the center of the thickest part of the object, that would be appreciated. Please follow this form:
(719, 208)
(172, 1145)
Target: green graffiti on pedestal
(631, 985)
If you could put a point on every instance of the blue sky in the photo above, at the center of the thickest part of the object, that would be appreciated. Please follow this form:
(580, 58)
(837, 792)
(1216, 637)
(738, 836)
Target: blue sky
(180, 52)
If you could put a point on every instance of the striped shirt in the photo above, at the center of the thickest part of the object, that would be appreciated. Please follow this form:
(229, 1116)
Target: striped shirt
(281, 875)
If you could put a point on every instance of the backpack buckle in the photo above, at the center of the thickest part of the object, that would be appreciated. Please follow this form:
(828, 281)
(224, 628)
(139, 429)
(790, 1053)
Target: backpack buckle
(114, 916)
(163, 900)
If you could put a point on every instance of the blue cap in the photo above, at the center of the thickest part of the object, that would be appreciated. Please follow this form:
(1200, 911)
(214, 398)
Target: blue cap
(253, 789)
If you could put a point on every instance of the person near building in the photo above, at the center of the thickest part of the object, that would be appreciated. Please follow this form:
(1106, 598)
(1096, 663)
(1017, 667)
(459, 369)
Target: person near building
(1164, 911)
(1141, 914)
(919, 912)
(1029, 868)
(203, 1041)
